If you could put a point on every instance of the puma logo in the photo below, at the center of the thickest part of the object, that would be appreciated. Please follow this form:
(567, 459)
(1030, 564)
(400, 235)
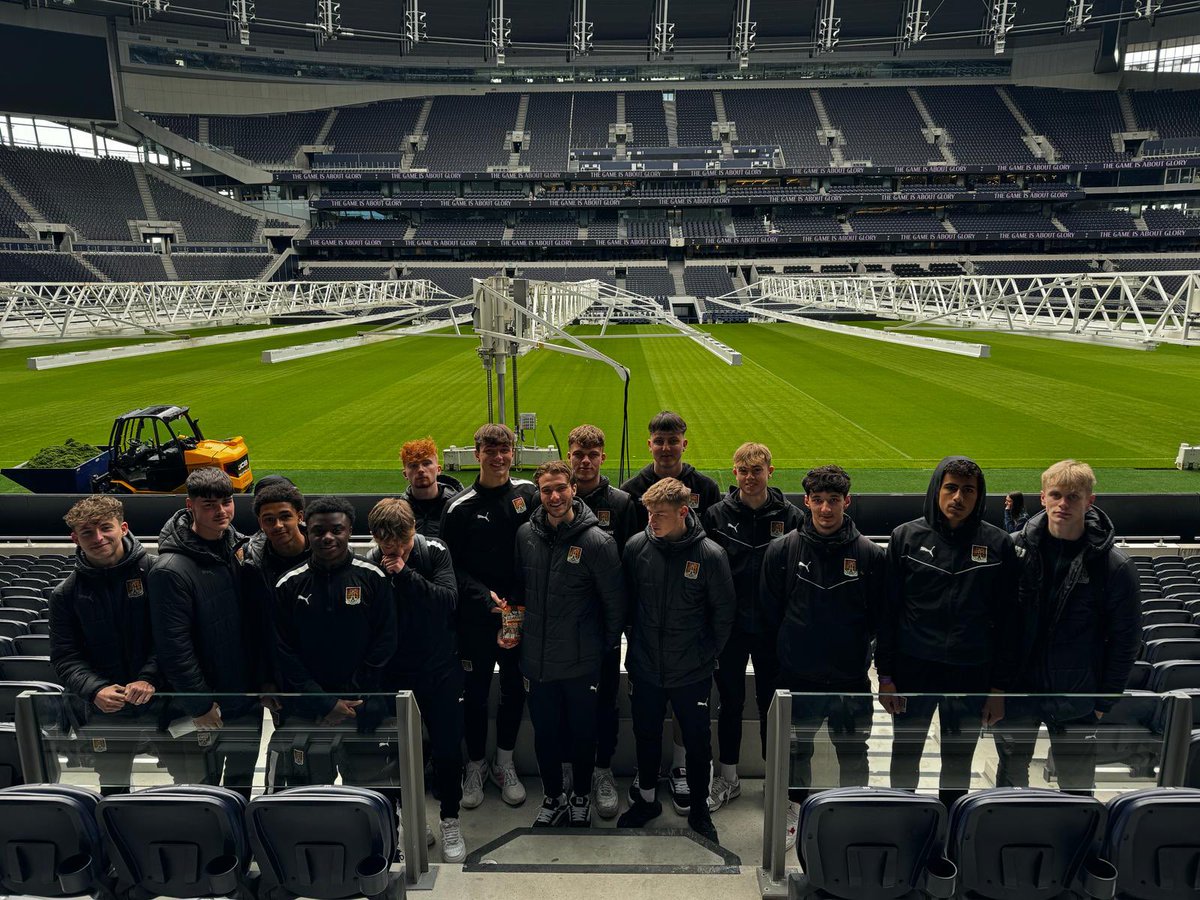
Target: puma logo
(484, 516)
(304, 597)
(803, 565)
(928, 550)
(703, 703)
(732, 526)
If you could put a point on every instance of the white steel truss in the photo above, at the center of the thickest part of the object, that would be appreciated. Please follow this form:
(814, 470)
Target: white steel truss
(1123, 309)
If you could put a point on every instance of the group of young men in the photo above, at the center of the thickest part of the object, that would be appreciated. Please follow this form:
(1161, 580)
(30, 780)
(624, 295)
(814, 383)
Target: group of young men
(537, 581)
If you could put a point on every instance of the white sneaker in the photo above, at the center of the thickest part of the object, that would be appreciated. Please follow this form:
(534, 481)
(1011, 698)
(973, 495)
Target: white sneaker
(454, 848)
(472, 788)
(793, 824)
(604, 786)
(722, 792)
(511, 789)
(568, 771)
(428, 835)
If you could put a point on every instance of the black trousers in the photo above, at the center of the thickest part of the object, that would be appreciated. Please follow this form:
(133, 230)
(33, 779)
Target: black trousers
(731, 689)
(607, 722)
(849, 725)
(225, 756)
(1072, 743)
(439, 696)
(564, 731)
(959, 719)
(648, 704)
(478, 669)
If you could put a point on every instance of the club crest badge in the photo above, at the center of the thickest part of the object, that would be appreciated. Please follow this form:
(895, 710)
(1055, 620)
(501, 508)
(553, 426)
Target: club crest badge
(605, 517)
(979, 554)
(694, 500)
(134, 588)
(850, 568)
(353, 596)
(776, 529)
(691, 570)
(297, 757)
(99, 745)
(574, 554)
(519, 504)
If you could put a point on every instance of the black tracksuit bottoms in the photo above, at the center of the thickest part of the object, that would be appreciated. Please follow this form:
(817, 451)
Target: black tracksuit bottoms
(847, 707)
(1072, 744)
(439, 696)
(564, 731)
(226, 756)
(479, 667)
(648, 704)
(731, 688)
(607, 722)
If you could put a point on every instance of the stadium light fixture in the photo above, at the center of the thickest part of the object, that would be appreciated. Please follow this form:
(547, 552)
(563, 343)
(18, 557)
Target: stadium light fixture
(581, 30)
(916, 23)
(1001, 23)
(145, 9)
(241, 14)
(500, 30)
(662, 41)
(1078, 15)
(414, 25)
(744, 32)
(1147, 9)
(829, 26)
(328, 26)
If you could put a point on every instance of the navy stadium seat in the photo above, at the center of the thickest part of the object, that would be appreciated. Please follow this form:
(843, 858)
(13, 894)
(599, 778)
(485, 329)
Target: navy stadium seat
(27, 668)
(1165, 617)
(1153, 839)
(10, 690)
(10, 629)
(1175, 675)
(1129, 733)
(11, 614)
(1158, 632)
(1162, 603)
(32, 645)
(1139, 676)
(1172, 648)
(39, 626)
(50, 845)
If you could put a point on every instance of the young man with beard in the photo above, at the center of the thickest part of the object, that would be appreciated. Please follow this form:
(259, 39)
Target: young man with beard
(429, 491)
(480, 528)
(616, 515)
(207, 637)
(823, 594)
(569, 580)
(681, 611)
(953, 626)
(1082, 596)
(101, 638)
(745, 523)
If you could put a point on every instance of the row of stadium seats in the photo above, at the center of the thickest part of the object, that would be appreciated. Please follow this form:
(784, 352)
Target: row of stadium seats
(48, 266)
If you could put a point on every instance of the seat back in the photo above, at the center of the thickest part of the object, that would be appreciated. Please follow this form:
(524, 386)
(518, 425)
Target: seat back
(50, 845)
(10, 690)
(35, 644)
(1192, 776)
(178, 840)
(323, 842)
(10, 629)
(1159, 632)
(39, 626)
(1167, 603)
(27, 668)
(1022, 843)
(1165, 617)
(1139, 676)
(1173, 648)
(1128, 733)
(1153, 838)
(1170, 676)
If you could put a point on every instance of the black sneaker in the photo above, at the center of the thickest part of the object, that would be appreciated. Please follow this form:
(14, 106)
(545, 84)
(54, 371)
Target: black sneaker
(640, 812)
(579, 811)
(553, 813)
(702, 824)
(681, 795)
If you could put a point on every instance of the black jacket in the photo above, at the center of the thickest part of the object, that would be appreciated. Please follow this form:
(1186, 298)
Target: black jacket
(744, 534)
(681, 606)
(208, 641)
(335, 631)
(705, 491)
(952, 593)
(100, 630)
(615, 511)
(480, 528)
(825, 595)
(569, 580)
(1086, 629)
(429, 512)
(425, 594)
(262, 568)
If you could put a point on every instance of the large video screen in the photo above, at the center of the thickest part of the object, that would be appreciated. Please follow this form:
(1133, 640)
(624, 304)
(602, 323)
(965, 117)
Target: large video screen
(52, 73)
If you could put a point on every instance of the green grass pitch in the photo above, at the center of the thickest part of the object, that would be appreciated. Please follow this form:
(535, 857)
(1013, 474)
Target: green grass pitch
(885, 412)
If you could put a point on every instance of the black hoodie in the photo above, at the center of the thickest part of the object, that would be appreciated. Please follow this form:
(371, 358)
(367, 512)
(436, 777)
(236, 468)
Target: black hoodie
(952, 593)
(615, 511)
(1087, 628)
(705, 491)
(744, 534)
(428, 513)
(826, 595)
(681, 606)
(208, 641)
(569, 579)
(100, 631)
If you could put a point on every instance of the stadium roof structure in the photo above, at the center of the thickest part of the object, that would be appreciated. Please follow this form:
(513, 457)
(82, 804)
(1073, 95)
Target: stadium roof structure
(545, 31)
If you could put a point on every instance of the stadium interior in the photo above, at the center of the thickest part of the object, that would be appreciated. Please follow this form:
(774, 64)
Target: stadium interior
(708, 158)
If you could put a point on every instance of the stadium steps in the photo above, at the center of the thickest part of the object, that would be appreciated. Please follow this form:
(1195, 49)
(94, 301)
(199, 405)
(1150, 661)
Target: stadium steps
(719, 106)
(202, 130)
(21, 200)
(830, 136)
(323, 134)
(1128, 113)
(949, 226)
(1140, 224)
(1057, 223)
(200, 151)
(96, 273)
(234, 206)
(675, 267)
(932, 130)
(672, 119)
(1039, 145)
(148, 204)
(168, 265)
(417, 138)
(518, 132)
(279, 262)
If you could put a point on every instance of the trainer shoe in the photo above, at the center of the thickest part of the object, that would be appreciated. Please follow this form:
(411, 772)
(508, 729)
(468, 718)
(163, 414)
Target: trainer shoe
(472, 788)
(793, 824)
(640, 813)
(579, 811)
(681, 795)
(568, 771)
(400, 828)
(701, 823)
(454, 849)
(722, 792)
(553, 812)
(604, 787)
(511, 789)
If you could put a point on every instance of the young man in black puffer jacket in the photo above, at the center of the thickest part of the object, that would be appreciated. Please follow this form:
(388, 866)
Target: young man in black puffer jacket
(101, 639)
(1082, 596)
(681, 611)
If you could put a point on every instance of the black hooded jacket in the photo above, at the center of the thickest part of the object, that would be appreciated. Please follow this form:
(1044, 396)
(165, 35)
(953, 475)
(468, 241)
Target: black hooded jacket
(681, 606)
(825, 595)
(429, 513)
(208, 641)
(705, 491)
(569, 580)
(745, 534)
(262, 568)
(952, 593)
(1087, 628)
(100, 630)
(615, 511)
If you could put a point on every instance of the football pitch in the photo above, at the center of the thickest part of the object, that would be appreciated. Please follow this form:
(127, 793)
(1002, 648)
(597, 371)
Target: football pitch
(887, 413)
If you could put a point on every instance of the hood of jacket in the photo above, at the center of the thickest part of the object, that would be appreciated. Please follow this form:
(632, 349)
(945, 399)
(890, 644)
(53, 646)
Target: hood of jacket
(844, 535)
(584, 518)
(694, 534)
(600, 485)
(933, 512)
(134, 553)
(177, 537)
(775, 501)
(1099, 534)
